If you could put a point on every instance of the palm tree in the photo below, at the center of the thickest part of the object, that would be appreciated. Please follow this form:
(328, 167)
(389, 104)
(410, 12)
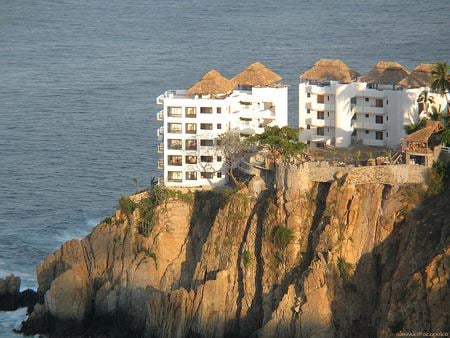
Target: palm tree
(425, 99)
(439, 79)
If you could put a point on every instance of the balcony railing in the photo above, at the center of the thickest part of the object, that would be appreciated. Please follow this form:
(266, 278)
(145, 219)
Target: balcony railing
(160, 116)
(160, 164)
(369, 125)
(160, 132)
(160, 148)
(369, 109)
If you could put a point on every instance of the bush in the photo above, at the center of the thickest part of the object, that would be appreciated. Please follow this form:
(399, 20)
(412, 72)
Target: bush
(126, 205)
(344, 268)
(438, 178)
(107, 220)
(247, 258)
(282, 236)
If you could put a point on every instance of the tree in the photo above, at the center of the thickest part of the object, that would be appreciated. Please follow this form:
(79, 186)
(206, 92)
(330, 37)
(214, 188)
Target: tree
(425, 99)
(445, 137)
(281, 143)
(233, 148)
(439, 79)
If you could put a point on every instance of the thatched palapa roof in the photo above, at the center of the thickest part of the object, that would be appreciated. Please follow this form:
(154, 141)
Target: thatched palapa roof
(423, 71)
(330, 70)
(385, 73)
(256, 74)
(413, 80)
(419, 136)
(212, 83)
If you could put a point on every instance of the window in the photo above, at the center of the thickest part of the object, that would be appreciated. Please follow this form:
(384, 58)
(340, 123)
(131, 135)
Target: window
(219, 110)
(191, 144)
(387, 134)
(175, 176)
(207, 159)
(174, 128)
(206, 110)
(174, 144)
(308, 94)
(366, 132)
(353, 100)
(191, 159)
(206, 174)
(308, 126)
(387, 102)
(320, 131)
(328, 98)
(320, 99)
(218, 141)
(206, 143)
(366, 99)
(219, 174)
(206, 126)
(190, 112)
(219, 125)
(191, 175)
(367, 116)
(175, 160)
(387, 118)
(174, 111)
(219, 158)
(320, 115)
(379, 103)
(191, 128)
(308, 111)
(379, 119)
(328, 114)
(379, 135)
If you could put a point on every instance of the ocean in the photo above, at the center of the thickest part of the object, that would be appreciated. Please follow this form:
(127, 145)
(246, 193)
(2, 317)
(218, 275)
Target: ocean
(78, 82)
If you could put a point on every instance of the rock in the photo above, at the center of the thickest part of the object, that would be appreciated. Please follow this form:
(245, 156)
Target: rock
(9, 293)
(339, 174)
(256, 186)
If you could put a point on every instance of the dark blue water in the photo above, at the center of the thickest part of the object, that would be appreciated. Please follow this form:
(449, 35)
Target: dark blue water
(78, 81)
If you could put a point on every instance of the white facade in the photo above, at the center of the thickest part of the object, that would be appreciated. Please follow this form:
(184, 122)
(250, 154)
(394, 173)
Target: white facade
(340, 114)
(192, 124)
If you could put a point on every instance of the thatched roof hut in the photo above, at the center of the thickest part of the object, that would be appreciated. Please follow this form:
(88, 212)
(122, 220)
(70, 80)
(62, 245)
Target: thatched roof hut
(419, 136)
(256, 74)
(212, 83)
(413, 80)
(330, 70)
(423, 71)
(386, 73)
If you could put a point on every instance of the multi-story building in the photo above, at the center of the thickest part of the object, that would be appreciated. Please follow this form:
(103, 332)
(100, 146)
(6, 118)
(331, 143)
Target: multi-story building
(338, 107)
(193, 119)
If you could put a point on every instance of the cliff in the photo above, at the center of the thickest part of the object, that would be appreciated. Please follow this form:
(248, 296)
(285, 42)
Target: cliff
(338, 259)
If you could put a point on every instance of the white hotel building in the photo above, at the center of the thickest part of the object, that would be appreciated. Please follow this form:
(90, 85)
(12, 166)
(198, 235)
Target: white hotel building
(337, 107)
(194, 118)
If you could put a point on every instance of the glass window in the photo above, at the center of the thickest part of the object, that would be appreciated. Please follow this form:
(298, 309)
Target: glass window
(366, 131)
(206, 126)
(219, 174)
(206, 159)
(191, 175)
(206, 174)
(174, 128)
(206, 110)
(174, 160)
(379, 135)
(308, 111)
(379, 103)
(175, 176)
(308, 94)
(219, 125)
(320, 131)
(219, 110)
(366, 99)
(320, 99)
(379, 119)
(320, 115)
(191, 159)
(191, 128)
(174, 144)
(308, 126)
(174, 111)
(367, 116)
(191, 144)
(206, 143)
(191, 112)
(219, 158)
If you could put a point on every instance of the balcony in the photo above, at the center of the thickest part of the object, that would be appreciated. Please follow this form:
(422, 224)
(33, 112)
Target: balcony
(160, 164)
(160, 99)
(373, 142)
(160, 148)
(160, 132)
(320, 138)
(160, 116)
(369, 109)
(369, 125)
(321, 106)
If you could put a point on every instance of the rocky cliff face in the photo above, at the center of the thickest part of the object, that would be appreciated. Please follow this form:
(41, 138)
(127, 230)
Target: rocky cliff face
(336, 260)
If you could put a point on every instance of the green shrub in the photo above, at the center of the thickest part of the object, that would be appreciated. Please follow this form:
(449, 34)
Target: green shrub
(107, 220)
(151, 255)
(247, 258)
(437, 178)
(281, 236)
(345, 268)
(126, 205)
